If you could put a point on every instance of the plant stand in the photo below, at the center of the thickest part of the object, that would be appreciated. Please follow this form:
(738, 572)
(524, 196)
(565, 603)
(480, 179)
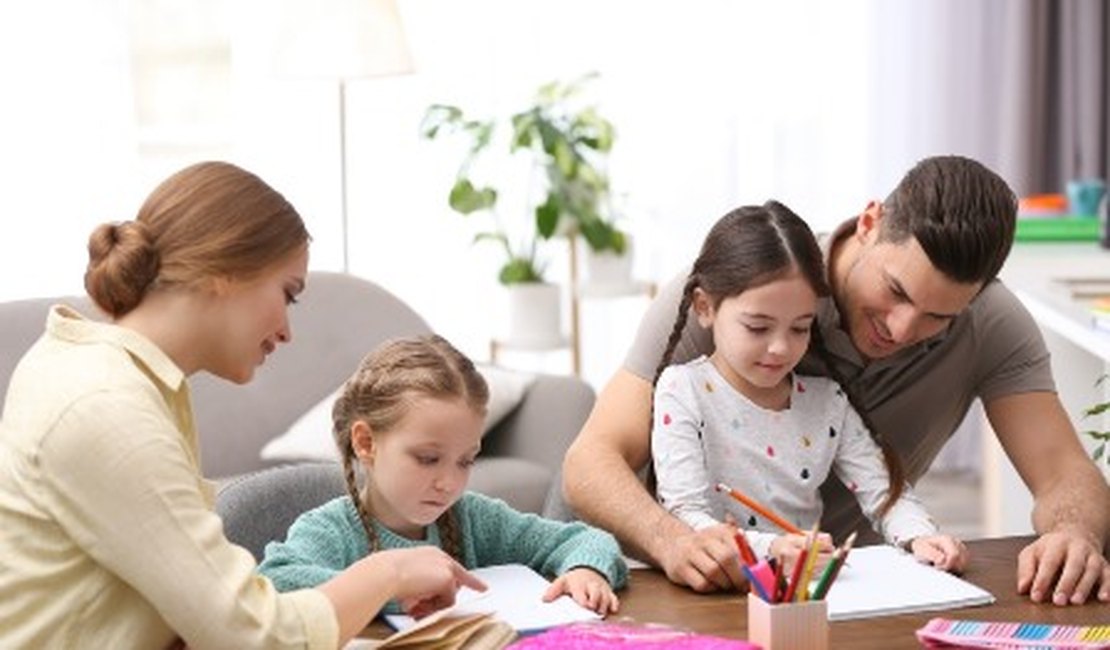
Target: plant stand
(604, 290)
(579, 293)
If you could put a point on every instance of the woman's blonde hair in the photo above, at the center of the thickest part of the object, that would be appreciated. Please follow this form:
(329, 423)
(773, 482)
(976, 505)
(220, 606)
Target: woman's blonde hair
(381, 393)
(209, 220)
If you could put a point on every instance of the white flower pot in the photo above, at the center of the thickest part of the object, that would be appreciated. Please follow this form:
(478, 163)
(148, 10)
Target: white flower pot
(608, 269)
(534, 315)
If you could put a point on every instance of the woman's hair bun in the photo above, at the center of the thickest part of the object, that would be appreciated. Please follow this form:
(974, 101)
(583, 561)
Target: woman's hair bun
(123, 263)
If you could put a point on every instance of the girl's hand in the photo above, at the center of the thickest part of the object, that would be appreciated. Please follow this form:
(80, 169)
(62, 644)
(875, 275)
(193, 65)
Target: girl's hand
(942, 551)
(787, 548)
(587, 587)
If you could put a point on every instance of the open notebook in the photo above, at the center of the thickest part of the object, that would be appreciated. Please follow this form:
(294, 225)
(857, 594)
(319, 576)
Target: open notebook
(882, 580)
(515, 596)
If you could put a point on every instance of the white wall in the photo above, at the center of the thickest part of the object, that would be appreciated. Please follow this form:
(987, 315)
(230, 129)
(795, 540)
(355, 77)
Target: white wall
(716, 103)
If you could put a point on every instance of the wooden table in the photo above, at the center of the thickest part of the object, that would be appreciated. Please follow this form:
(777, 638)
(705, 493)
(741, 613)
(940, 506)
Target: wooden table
(651, 598)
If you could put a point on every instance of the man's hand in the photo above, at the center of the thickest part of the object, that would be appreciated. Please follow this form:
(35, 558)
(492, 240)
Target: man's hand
(1065, 566)
(706, 560)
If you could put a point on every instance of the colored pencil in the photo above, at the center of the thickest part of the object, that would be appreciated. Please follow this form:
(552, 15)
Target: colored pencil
(833, 569)
(759, 508)
(796, 574)
(780, 582)
(746, 553)
(811, 561)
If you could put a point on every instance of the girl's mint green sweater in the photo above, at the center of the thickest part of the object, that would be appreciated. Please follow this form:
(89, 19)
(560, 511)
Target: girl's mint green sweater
(324, 541)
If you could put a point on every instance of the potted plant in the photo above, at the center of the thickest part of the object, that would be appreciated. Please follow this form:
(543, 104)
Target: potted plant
(564, 139)
(1101, 437)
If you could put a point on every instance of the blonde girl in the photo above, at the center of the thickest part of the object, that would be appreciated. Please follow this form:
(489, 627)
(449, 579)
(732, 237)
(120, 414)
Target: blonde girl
(410, 422)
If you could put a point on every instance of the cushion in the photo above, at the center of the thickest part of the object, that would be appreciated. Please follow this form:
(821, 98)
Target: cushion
(310, 437)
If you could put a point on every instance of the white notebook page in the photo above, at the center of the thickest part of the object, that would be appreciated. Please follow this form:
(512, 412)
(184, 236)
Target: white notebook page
(515, 595)
(882, 580)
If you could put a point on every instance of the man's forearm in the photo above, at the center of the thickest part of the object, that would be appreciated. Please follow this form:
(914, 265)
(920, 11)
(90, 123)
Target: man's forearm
(1079, 499)
(604, 491)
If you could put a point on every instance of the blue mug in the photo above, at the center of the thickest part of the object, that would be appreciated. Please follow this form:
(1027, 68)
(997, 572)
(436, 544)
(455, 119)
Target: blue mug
(1084, 196)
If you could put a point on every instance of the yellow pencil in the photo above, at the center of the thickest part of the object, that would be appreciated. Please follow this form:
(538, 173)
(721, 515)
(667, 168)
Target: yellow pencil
(811, 559)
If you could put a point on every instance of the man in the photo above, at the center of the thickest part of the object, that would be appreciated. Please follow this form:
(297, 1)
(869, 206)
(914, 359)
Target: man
(917, 328)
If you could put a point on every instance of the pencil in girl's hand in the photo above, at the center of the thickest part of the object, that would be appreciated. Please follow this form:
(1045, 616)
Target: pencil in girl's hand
(760, 509)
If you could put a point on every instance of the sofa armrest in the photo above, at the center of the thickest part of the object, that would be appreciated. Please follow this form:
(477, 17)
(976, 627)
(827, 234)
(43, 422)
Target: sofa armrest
(547, 420)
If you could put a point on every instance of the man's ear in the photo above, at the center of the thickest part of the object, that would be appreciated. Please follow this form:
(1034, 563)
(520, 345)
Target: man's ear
(362, 441)
(869, 221)
(703, 307)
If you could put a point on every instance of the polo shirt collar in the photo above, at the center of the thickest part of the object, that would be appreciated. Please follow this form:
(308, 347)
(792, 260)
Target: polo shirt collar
(65, 323)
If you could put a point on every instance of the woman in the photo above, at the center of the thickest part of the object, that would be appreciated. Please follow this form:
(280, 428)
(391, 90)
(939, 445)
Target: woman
(107, 532)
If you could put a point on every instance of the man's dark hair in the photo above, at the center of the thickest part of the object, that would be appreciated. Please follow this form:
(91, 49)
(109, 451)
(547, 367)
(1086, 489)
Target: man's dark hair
(961, 213)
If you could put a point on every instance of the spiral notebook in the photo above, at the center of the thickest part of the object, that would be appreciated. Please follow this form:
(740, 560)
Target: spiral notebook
(884, 580)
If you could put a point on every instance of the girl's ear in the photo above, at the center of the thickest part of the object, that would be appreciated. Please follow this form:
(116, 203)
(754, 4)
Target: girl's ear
(362, 441)
(703, 308)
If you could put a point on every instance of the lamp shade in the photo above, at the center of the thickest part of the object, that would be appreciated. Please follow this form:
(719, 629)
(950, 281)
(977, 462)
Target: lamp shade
(345, 39)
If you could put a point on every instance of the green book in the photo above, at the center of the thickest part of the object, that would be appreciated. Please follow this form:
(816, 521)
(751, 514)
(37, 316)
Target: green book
(1057, 229)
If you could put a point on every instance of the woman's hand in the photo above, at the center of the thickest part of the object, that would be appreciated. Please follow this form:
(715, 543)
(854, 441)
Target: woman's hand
(427, 579)
(587, 587)
(942, 551)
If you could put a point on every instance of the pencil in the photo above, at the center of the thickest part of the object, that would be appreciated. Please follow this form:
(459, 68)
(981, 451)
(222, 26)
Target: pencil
(747, 556)
(760, 509)
(833, 569)
(780, 582)
(796, 574)
(811, 560)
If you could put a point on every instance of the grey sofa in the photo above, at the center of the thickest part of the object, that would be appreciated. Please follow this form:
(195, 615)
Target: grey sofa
(338, 321)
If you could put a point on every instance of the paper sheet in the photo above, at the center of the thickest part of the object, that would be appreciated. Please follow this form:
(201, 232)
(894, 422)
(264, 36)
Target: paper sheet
(515, 596)
(883, 580)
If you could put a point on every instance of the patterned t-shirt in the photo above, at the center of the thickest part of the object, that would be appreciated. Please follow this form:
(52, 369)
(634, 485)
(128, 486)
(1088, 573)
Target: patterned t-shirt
(705, 431)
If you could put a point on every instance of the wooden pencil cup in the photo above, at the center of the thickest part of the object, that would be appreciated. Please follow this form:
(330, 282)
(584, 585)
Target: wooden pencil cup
(788, 626)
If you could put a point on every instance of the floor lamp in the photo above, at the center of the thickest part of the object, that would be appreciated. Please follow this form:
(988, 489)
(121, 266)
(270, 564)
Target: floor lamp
(344, 40)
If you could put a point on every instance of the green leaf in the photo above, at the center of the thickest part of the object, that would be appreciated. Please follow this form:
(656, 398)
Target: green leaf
(491, 236)
(518, 270)
(480, 133)
(1098, 452)
(618, 242)
(524, 126)
(565, 159)
(1097, 409)
(465, 198)
(547, 216)
(437, 117)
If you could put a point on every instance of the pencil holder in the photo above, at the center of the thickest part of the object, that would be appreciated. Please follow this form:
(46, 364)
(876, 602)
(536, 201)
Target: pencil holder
(788, 626)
